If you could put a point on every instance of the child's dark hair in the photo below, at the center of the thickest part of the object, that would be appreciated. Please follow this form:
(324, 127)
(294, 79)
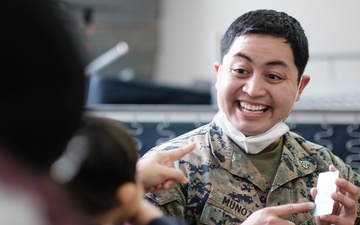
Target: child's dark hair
(105, 157)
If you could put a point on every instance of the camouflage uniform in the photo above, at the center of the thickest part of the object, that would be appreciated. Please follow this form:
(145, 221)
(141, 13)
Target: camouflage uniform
(225, 187)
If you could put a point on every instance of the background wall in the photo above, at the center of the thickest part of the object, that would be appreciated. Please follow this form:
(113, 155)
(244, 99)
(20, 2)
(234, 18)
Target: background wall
(189, 33)
(101, 25)
(175, 42)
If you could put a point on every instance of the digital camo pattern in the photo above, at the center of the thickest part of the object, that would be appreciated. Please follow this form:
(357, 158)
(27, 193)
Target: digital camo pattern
(225, 187)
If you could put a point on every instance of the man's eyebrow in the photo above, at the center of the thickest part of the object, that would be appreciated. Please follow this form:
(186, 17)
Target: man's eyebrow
(244, 56)
(277, 63)
(270, 63)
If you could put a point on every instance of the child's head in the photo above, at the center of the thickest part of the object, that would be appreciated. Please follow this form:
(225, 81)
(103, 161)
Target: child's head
(98, 169)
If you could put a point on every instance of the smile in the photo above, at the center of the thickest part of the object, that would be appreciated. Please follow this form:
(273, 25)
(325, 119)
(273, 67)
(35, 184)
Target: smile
(244, 106)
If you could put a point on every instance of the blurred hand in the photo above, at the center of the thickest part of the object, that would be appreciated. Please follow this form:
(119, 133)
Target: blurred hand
(155, 172)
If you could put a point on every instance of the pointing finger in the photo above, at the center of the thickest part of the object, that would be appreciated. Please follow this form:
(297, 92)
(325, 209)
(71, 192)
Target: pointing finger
(284, 211)
(176, 154)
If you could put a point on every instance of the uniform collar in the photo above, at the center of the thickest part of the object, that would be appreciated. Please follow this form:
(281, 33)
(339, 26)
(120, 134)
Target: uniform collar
(295, 161)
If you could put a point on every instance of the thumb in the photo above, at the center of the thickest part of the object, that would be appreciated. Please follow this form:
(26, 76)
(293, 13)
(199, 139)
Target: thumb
(313, 192)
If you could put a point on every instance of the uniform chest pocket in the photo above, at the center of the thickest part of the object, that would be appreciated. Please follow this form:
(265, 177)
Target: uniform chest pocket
(221, 209)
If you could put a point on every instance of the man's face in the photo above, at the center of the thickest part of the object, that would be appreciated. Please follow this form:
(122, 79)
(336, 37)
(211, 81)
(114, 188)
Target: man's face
(257, 83)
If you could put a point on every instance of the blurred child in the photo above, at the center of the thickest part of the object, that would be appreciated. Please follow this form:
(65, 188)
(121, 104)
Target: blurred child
(99, 170)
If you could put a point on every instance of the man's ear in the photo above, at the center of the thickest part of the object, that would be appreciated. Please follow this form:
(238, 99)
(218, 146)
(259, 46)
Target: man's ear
(303, 82)
(217, 65)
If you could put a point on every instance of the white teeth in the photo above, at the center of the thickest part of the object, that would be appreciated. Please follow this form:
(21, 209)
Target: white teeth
(252, 107)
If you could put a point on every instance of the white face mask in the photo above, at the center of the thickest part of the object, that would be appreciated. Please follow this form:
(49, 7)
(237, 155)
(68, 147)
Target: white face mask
(252, 144)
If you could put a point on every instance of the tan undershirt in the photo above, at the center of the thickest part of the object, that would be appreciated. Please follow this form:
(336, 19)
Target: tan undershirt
(267, 162)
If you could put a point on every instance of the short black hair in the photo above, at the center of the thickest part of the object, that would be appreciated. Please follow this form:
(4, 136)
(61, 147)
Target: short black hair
(274, 23)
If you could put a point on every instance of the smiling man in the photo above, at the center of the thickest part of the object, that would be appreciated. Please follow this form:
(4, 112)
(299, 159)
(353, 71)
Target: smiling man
(248, 168)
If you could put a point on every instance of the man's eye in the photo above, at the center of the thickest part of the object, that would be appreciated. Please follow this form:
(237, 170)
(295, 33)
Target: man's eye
(240, 71)
(273, 77)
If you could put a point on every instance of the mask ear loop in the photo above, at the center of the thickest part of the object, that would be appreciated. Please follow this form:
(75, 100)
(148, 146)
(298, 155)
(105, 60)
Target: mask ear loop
(297, 90)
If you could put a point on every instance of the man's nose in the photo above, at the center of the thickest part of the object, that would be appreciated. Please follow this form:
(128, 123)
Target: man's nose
(255, 86)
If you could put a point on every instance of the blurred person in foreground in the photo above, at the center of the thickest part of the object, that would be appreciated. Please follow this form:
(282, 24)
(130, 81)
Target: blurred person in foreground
(248, 168)
(42, 94)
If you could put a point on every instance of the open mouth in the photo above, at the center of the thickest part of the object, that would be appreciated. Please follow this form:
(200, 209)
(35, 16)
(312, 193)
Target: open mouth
(246, 107)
